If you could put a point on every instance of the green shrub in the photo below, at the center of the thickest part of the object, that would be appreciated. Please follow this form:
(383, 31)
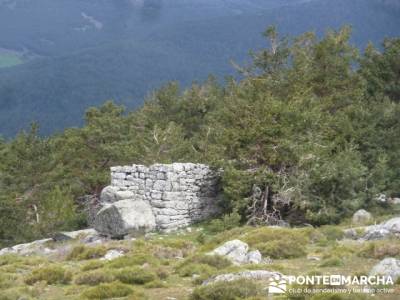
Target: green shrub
(340, 250)
(279, 242)
(94, 277)
(214, 261)
(50, 274)
(82, 252)
(235, 290)
(227, 222)
(332, 233)
(164, 253)
(199, 269)
(201, 238)
(381, 249)
(108, 290)
(224, 236)
(162, 272)
(135, 259)
(281, 249)
(6, 280)
(176, 243)
(155, 284)
(23, 262)
(9, 259)
(135, 275)
(17, 294)
(137, 295)
(58, 211)
(92, 265)
(202, 265)
(331, 262)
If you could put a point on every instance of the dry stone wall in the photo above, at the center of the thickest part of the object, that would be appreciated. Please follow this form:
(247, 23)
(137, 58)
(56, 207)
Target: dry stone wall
(179, 194)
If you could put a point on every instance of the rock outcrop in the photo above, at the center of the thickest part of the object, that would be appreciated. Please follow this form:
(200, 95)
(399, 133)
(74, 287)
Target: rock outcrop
(387, 267)
(238, 253)
(383, 230)
(35, 247)
(177, 195)
(46, 246)
(390, 228)
(87, 235)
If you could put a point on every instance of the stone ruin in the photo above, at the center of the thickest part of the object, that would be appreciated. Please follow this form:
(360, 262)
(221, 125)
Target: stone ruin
(159, 197)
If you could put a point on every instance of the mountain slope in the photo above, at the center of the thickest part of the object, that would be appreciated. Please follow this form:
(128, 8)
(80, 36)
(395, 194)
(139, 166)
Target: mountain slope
(83, 54)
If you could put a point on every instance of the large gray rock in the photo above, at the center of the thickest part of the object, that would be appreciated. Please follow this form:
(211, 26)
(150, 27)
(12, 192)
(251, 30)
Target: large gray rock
(361, 217)
(392, 225)
(376, 233)
(261, 275)
(125, 217)
(390, 228)
(387, 267)
(235, 251)
(238, 253)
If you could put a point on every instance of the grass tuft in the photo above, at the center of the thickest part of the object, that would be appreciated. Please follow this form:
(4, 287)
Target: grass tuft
(108, 290)
(50, 275)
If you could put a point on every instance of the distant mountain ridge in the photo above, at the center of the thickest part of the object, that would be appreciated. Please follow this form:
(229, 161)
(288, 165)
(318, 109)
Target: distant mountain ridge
(83, 52)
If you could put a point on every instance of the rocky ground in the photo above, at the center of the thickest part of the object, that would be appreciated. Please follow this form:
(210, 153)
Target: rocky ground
(200, 262)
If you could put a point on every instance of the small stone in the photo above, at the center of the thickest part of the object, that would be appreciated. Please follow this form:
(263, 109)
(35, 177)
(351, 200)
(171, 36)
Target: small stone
(235, 251)
(315, 258)
(112, 254)
(108, 194)
(254, 257)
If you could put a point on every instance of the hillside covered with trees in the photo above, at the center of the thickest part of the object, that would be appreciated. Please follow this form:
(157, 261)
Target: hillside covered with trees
(313, 124)
(61, 57)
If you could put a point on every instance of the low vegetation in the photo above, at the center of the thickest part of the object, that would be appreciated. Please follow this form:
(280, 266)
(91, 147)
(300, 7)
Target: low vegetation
(82, 252)
(381, 249)
(141, 275)
(50, 275)
(94, 277)
(235, 290)
(278, 243)
(108, 290)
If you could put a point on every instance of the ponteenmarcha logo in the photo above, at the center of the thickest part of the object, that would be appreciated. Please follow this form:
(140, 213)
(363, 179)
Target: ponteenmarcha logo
(279, 284)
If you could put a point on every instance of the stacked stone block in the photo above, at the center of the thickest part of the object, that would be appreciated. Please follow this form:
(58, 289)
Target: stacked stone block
(179, 194)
